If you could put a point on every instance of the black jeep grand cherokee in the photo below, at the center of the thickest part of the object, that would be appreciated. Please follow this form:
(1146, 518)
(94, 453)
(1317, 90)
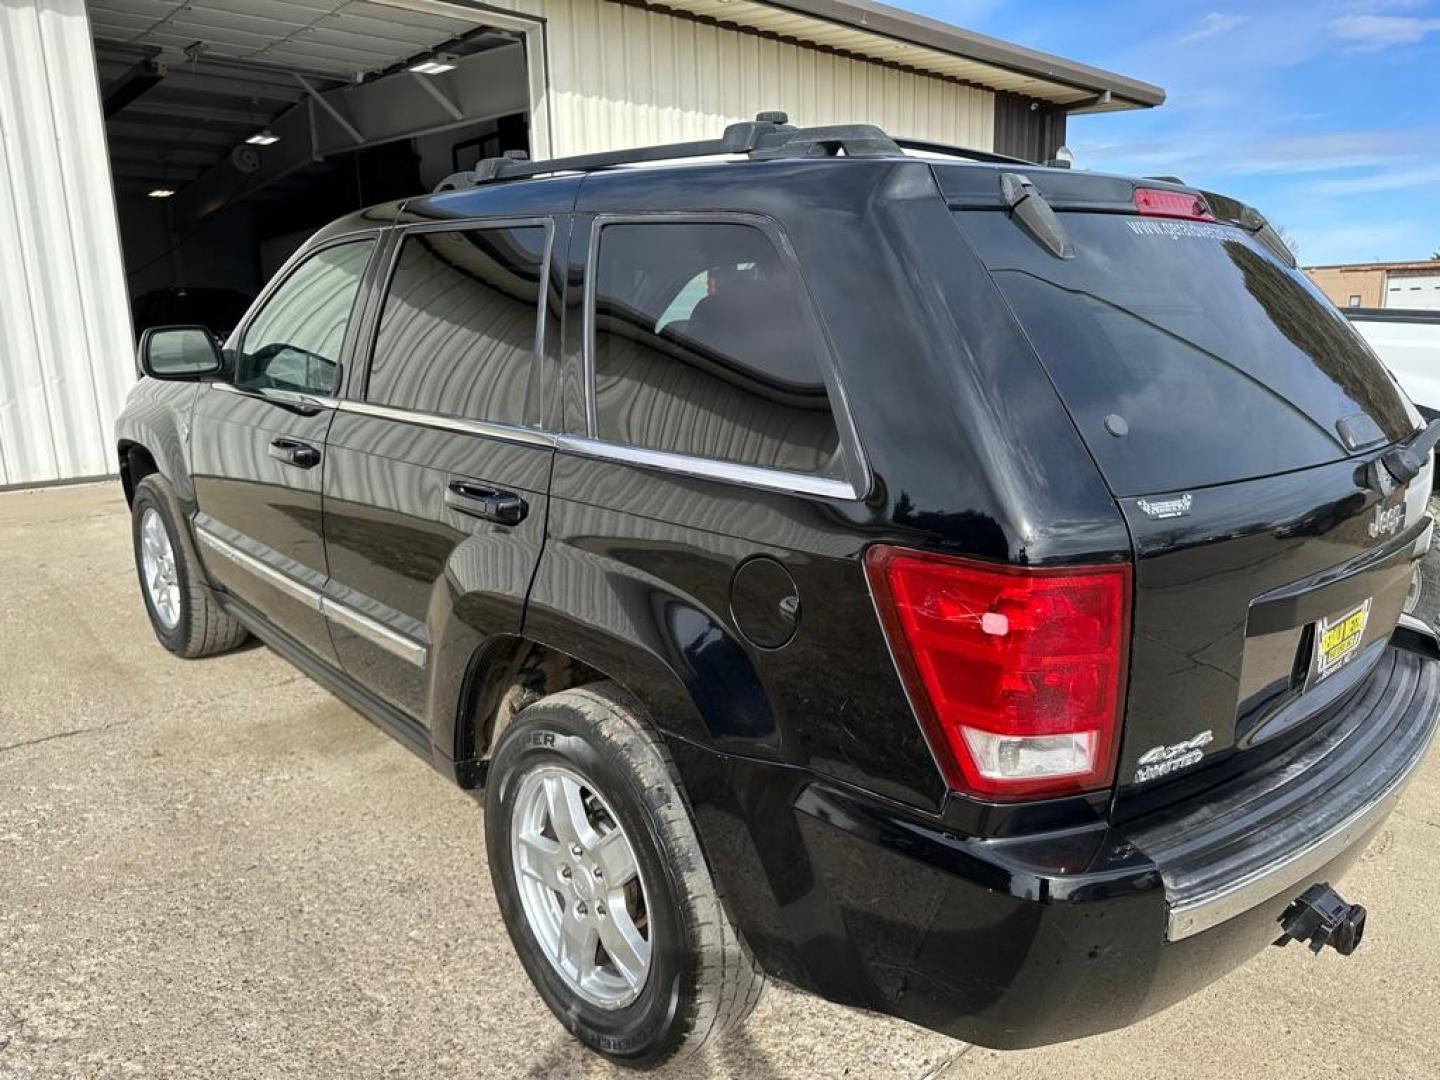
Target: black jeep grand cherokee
(968, 590)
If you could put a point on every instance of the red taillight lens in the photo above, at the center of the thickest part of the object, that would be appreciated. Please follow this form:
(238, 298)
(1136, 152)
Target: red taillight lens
(1018, 675)
(1158, 203)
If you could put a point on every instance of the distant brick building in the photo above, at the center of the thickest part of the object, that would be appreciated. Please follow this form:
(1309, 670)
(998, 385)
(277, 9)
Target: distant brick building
(1412, 285)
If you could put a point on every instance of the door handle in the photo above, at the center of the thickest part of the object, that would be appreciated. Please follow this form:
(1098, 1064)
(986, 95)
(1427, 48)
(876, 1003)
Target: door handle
(486, 503)
(294, 452)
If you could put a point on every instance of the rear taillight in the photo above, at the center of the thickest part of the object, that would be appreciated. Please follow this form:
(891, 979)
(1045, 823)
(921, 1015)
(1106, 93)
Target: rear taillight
(1157, 202)
(1018, 675)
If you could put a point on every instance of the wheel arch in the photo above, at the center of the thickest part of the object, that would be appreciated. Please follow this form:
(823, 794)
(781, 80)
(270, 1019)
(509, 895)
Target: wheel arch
(136, 463)
(503, 675)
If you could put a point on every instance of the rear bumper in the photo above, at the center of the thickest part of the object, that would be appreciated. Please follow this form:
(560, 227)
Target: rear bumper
(1276, 832)
(1018, 943)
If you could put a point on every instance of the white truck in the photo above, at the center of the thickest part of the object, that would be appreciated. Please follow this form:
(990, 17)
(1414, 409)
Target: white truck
(1409, 344)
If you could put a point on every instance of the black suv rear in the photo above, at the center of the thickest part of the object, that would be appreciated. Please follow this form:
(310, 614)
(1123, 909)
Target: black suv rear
(968, 590)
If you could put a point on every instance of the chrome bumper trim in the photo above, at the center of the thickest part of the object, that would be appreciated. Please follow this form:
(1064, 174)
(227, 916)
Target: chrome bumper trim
(1210, 909)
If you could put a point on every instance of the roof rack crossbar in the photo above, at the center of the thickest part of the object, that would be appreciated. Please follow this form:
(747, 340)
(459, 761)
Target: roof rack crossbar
(769, 136)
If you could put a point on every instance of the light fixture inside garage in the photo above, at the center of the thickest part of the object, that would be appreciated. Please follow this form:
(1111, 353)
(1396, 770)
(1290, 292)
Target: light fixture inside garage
(264, 137)
(161, 193)
(436, 65)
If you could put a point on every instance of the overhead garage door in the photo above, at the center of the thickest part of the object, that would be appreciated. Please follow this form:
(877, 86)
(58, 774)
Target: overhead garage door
(1417, 292)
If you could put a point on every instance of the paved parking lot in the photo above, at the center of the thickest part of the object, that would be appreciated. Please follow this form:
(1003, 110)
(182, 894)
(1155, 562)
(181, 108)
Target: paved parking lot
(215, 869)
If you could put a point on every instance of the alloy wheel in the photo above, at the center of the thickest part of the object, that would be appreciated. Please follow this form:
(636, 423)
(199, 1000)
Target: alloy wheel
(580, 886)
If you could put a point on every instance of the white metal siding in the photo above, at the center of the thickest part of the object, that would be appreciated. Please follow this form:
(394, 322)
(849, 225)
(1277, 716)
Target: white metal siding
(623, 76)
(65, 347)
(620, 76)
(1418, 292)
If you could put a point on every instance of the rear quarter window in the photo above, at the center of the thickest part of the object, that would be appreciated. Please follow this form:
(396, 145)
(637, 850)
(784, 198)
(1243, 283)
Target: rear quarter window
(703, 346)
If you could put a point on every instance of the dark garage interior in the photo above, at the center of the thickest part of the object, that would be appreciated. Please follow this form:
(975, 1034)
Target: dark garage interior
(237, 129)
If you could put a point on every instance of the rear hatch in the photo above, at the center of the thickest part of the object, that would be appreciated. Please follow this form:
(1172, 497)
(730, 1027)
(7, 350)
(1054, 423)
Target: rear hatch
(1234, 414)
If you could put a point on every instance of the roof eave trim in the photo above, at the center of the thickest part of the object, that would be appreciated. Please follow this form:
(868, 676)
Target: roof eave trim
(933, 34)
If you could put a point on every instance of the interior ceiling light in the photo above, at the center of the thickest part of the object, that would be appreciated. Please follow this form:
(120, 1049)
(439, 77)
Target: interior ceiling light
(436, 65)
(161, 193)
(264, 137)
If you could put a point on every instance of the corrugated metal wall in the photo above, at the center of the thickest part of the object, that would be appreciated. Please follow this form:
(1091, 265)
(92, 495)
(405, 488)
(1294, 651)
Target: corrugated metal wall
(1025, 129)
(66, 358)
(622, 76)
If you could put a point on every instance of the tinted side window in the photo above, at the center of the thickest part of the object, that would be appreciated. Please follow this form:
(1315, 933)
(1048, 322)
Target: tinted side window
(457, 332)
(294, 341)
(703, 347)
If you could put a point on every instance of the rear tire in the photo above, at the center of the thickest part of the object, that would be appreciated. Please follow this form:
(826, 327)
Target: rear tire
(699, 979)
(184, 614)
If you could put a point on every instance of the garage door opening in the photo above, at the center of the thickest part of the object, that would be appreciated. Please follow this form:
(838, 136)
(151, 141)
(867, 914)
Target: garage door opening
(238, 128)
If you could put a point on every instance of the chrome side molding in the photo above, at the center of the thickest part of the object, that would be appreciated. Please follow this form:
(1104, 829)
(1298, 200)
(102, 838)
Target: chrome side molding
(373, 631)
(378, 634)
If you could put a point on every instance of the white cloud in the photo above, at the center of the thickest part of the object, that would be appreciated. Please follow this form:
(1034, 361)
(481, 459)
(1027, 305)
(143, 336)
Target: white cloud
(1262, 154)
(1213, 25)
(1394, 180)
(1383, 31)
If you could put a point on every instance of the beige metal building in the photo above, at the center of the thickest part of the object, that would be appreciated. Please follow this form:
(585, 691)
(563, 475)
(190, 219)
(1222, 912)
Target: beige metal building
(160, 158)
(1413, 286)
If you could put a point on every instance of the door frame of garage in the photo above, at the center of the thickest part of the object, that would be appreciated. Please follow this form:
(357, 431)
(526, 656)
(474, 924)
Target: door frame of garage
(532, 29)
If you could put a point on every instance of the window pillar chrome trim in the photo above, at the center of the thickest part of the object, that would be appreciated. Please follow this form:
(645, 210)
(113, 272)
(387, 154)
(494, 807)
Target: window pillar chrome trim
(279, 397)
(457, 425)
(730, 472)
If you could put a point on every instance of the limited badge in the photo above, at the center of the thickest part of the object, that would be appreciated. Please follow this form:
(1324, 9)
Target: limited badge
(1338, 639)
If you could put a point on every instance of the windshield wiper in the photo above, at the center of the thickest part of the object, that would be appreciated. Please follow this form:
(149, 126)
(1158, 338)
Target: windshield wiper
(1038, 217)
(1405, 461)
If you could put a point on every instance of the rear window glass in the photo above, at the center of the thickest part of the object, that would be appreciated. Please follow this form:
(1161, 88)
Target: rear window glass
(1222, 363)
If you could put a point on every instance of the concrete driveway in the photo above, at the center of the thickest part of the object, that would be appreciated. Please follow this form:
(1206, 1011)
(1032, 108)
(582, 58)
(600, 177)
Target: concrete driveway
(215, 869)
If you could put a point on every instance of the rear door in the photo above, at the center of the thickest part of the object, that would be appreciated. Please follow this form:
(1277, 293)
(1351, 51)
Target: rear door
(435, 488)
(703, 504)
(1235, 416)
(257, 442)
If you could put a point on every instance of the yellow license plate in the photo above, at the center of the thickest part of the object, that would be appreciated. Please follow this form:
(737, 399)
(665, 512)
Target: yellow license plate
(1338, 639)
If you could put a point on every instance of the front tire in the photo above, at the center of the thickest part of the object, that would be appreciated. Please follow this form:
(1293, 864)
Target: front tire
(186, 618)
(582, 813)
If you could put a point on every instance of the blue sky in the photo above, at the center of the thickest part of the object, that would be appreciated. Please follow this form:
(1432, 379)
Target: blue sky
(1323, 114)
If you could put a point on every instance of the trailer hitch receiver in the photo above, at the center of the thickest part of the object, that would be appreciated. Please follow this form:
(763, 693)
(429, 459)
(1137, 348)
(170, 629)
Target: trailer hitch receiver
(1321, 917)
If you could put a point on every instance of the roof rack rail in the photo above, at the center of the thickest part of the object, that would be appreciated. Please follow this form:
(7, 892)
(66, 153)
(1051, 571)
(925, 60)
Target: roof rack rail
(960, 152)
(769, 136)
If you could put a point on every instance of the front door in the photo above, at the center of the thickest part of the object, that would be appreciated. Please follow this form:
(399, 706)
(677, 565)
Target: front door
(258, 444)
(436, 482)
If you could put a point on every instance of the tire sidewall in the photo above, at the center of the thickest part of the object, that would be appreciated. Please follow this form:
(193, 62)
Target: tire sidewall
(646, 1030)
(147, 498)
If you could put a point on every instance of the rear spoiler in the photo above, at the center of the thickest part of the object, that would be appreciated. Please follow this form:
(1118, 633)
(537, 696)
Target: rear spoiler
(1247, 217)
(975, 187)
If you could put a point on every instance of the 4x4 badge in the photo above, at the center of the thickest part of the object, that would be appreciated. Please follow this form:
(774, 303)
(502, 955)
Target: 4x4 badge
(1159, 509)
(1164, 760)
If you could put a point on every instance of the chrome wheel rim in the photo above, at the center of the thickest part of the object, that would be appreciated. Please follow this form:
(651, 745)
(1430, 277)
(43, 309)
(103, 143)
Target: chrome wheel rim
(580, 886)
(157, 564)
